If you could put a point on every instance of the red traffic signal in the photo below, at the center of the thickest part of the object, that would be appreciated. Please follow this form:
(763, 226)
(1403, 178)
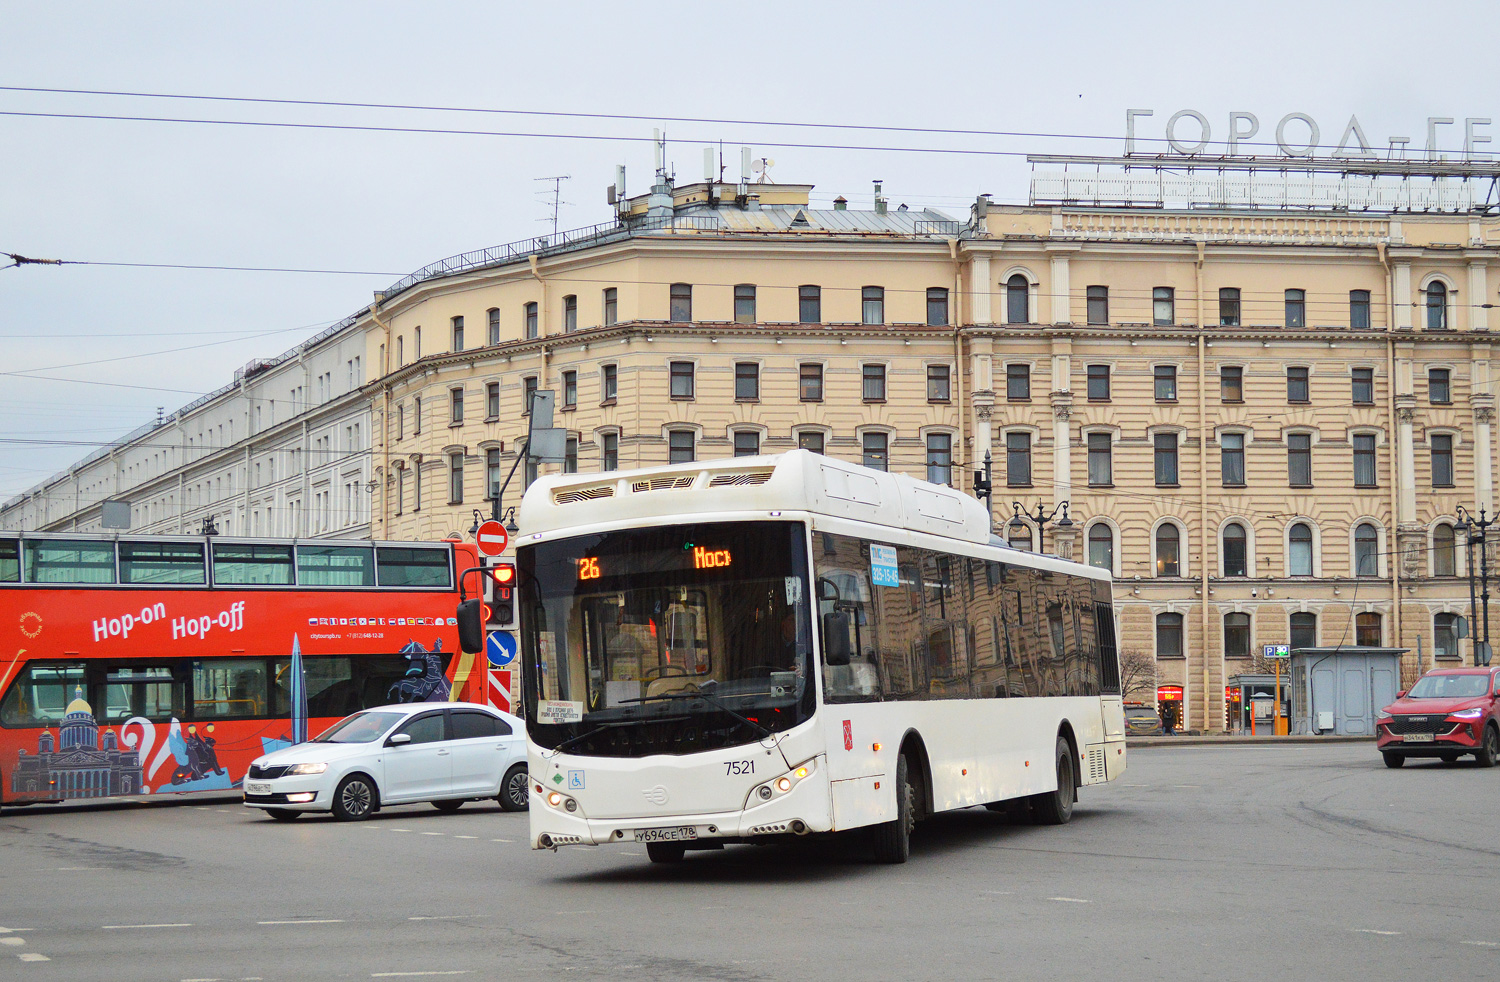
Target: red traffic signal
(502, 599)
(504, 574)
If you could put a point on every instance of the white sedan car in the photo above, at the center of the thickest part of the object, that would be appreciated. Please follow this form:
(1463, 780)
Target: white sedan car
(443, 752)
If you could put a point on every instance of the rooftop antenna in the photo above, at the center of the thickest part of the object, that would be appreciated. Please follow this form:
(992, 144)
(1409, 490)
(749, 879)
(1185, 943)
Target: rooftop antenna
(762, 166)
(659, 141)
(557, 201)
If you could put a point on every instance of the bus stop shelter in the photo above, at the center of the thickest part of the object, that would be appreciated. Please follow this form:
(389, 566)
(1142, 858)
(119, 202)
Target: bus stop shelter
(1338, 690)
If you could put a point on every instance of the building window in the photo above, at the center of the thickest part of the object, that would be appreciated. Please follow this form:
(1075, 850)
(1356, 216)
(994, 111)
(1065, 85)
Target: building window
(938, 383)
(532, 328)
(874, 383)
(611, 306)
(1168, 635)
(1236, 635)
(455, 479)
(492, 400)
(400, 422)
(1101, 546)
(1168, 550)
(1359, 309)
(872, 305)
(680, 310)
(1018, 382)
(744, 303)
(1367, 630)
(682, 380)
(400, 489)
(401, 351)
(528, 394)
(937, 307)
(458, 334)
(1444, 551)
(1366, 550)
(416, 415)
(1019, 537)
(1017, 300)
(1018, 460)
(1296, 308)
(940, 458)
(810, 440)
(493, 315)
(609, 381)
(1098, 383)
(1166, 382)
(1445, 636)
(1165, 445)
(1299, 460)
(680, 447)
(570, 313)
(1296, 385)
(1098, 304)
(1163, 306)
(1101, 473)
(809, 304)
(609, 452)
(1364, 460)
(874, 448)
(570, 455)
(1362, 383)
(455, 405)
(1299, 559)
(746, 443)
(416, 343)
(1236, 559)
(1232, 459)
(1437, 306)
(570, 389)
(1442, 460)
(1304, 630)
(746, 381)
(1229, 307)
(492, 473)
(810, 382)
(1232, 383)
(1439, 391)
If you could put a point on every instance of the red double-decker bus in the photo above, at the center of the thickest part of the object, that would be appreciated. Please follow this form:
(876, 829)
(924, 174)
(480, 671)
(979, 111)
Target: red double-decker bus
(143, 665)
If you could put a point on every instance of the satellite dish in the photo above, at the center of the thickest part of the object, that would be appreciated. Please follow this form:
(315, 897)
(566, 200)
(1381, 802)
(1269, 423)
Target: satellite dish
(763, 165)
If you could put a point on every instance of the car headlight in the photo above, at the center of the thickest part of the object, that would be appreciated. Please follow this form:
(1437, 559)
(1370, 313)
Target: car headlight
(1467, 714)
(306, 769)
(1382, 714)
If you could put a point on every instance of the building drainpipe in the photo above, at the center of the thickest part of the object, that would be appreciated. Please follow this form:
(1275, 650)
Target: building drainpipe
(1203, 483)
(385, 416)
(957, 319)
(1394, 443)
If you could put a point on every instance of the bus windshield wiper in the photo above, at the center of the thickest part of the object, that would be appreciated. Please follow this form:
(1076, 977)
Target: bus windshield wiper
(616, 724)
(700, 694)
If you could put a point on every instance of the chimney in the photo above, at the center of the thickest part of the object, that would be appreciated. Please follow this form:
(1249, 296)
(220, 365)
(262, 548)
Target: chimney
(879, 200)
(841, 203)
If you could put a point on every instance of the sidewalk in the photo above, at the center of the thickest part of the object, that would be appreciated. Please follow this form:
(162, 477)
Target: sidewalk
(1225, 740)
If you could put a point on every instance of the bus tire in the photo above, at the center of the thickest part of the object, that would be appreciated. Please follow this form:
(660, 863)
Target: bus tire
(515, 788)
(283, 814)
(1056, 807)
(355, 799)
(893, 839)
(666, 852)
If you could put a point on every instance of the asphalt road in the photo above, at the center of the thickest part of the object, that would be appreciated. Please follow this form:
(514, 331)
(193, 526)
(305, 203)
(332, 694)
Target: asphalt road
(1202, 863)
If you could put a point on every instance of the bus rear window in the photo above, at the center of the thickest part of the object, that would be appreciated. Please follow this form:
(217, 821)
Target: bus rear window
(162, 562)
(245, 564)
(63, 561)
(335, 566)
(412, 567)
(10, 561)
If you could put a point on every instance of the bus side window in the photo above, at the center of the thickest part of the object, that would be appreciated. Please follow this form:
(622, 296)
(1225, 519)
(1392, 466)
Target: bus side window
(225, 688)
(40, 695)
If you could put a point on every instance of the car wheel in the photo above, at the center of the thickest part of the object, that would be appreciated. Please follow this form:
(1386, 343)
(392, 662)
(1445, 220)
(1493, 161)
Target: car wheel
(893, 839)
(355, 799)
(1489, 750)
(666, 852)
(1056, 807)
(1393, 760)
(448, 806)
(283, 814)
(514, 789)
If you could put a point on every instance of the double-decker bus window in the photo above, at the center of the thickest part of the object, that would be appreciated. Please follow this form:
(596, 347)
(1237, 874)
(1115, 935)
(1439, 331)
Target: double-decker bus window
(10, 561)
(252, 564)
(335, 566)
(40, 695)
(331, 689)
(151, 692)
(69, 561)
(178, 563)
(403, 566)
(229, 688)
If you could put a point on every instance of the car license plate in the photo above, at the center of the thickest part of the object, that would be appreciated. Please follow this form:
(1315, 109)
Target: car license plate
(680, 834)
(1417, 738)
(256, 787)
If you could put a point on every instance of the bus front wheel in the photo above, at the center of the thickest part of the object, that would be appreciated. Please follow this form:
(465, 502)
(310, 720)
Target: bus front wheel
(893, 839)
(665, 852)
(1056, 807)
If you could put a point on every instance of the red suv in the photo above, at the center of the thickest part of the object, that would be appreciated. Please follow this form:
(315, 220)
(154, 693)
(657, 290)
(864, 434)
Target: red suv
(1448, 713)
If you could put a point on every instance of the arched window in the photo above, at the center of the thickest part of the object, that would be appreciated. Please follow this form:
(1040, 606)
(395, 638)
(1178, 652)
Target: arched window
(1236, 635)
(1299, 559)
(1020, 537)
(1017, 300)
(1366, 550)
(1101, 546)
(1304, 630)
(1444, 562)
(1437, 306)
(1235, 558)
(1168, 550)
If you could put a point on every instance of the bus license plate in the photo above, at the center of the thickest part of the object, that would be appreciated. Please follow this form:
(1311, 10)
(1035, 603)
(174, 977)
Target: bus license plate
(1417, 738)
(679, 834)
(251, 788)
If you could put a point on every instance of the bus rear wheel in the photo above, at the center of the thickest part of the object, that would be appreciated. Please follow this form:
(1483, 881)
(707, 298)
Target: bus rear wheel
(666, 852)
(893, 839)
(1056, 807)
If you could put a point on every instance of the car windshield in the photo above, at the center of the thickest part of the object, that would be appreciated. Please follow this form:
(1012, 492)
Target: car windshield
(668, 639)
(1450, 687)
(359, 728)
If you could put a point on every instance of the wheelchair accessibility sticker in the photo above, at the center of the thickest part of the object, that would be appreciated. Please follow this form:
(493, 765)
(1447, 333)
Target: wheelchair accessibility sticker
(575, 780)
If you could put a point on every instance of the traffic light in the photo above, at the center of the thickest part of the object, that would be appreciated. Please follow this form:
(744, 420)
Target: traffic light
(501, 580)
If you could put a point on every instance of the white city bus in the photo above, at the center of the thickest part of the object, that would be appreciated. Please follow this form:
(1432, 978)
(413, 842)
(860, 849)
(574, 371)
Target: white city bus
(722, 651)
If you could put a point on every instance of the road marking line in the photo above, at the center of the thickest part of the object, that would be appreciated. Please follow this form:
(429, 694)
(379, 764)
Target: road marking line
(1484, 944)
(127, 927)
(399, 975)
(398, 830)
(502, 840)
(434, 833)
(202, 980)
(1070, 900)
(328, 921)
(23, 941)
(466, 837)
(31, 956)
(1369, 930)
(446, 917)
(1187, 786)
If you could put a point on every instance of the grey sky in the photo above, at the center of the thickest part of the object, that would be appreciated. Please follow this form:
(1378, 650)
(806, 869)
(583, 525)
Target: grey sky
(150, 192)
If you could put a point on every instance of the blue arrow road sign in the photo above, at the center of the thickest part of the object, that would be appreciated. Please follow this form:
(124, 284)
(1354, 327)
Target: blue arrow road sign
(501, 648)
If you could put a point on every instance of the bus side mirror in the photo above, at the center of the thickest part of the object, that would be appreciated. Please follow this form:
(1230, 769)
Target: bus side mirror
(471, 626)
(836, 638)
(827, 589)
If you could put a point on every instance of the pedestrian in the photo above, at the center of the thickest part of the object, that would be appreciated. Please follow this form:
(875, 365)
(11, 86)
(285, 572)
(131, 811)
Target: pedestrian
(1166, 723)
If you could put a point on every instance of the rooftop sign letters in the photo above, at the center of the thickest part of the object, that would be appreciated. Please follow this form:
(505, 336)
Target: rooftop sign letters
(1189, 133)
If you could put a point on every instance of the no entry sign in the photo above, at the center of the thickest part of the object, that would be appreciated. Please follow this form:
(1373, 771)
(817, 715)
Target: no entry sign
(491, 538)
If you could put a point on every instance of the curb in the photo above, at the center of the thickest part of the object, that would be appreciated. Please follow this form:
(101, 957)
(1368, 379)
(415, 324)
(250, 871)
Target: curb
(1241, 741)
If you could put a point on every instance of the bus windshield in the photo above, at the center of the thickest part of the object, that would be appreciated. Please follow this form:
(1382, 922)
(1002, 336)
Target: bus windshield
(670, 639)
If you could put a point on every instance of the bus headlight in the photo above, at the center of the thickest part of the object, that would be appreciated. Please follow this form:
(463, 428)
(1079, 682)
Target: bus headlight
(554, 799)
(783, 784)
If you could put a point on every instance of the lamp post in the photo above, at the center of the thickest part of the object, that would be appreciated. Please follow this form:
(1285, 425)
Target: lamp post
(511, 527)
(1041, 520)
(1475, 532)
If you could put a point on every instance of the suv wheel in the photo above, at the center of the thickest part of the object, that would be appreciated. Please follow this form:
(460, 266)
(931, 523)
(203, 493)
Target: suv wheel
(1393, 760)
(1489, 749)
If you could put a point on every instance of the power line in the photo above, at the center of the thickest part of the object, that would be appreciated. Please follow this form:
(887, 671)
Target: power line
(19, 260)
